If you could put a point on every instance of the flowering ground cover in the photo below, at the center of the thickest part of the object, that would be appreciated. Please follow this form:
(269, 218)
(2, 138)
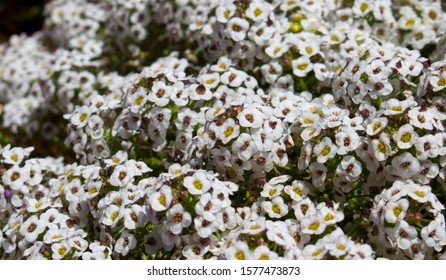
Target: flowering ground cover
(205, 129)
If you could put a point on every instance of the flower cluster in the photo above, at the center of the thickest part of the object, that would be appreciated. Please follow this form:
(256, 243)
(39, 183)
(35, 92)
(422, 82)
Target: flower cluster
(246, 129)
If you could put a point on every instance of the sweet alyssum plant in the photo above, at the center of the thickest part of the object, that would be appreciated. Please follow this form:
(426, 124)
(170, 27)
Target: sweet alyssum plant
(201, 129)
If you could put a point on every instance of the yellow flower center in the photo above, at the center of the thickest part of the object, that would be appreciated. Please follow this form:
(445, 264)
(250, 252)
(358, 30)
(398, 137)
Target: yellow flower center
(364, 7)
(226, 14)
(396, 108)
(316, 253)
(83, 117)
(328, 217)
(420, 193)
(397, 210)
(258, 12)
(308, 121)
(298, 191)
(314, 226)
(14, 157)
(382, 147)
(114, 215)
(309, 50)
(240, 255)
(62, 251)
(376, 126)
(302, 66)
(326, 150)
(162, 200)
(139, 99)
(406, 137)
(198, 184)
(276, 208)
(272, 192)
(228, 131)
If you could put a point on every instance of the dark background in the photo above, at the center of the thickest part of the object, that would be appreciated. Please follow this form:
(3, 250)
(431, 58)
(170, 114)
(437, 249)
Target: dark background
(18, 16)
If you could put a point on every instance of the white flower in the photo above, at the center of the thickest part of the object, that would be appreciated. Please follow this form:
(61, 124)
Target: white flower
(112, 215)
(271, 190)
(34, 205)
(428, 171)
(362, 7)
(250, 117)
(134, 216)
(403, 233)
(313, 224)
(121, 176)
(15, 177)
(159, 94)
(438, 82)
(178, 218)
(396, 210)
(381, 147)
(198, 183)
(238, 251)
(224, 12)
(199, 92)
(15, 155)
(318, 174)
(81, 116)
(354, 69)
(244, 146)
(346, 141)
(377, 71)
(376, 125)
(51, 217)
(305, 156)
(405, 165)
(278, 233)
(316, 251)
(54, 235)
(409, 19)
(301, 66)
(380, 88)
(421, 118)
(237, 28)
(60, 250)
(297, 190)
(258, 10)
(419, 193)
(340, 246)
(262, 161)
(228, 131)
(325, 150)
(330, 215)
(433, 234)
(208, 206)
(264, 253)
(161, 199)
(210, 80)
(204, 227)
(233, 77)
(427, 146)
(275, 208)
(125, 243)
(31, 228)
(405, 137)
(350, 168)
